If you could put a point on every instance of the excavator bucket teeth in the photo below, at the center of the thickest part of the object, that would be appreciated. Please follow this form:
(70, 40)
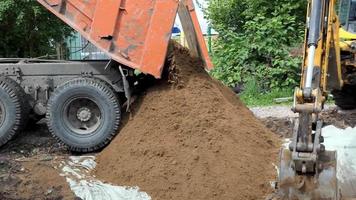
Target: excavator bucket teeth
(322, 186)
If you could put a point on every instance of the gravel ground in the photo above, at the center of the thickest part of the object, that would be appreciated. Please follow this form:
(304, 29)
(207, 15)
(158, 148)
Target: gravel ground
(279, 111)
(273, 111)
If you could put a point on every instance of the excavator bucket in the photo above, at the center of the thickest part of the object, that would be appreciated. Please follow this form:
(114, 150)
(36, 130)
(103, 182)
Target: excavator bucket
(323, 186)
(135, 33)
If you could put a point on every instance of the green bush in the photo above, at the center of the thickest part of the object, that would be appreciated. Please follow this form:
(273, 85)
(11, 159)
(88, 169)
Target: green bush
(255, 38)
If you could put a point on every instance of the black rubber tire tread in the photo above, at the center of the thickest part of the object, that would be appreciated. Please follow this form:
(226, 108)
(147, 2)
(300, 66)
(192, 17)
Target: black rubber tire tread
(104, 90)
(345, 98)
(18, 100)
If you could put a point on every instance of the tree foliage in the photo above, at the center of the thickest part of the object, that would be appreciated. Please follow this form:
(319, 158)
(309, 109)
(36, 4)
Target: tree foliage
(255, 38)
(28, 30)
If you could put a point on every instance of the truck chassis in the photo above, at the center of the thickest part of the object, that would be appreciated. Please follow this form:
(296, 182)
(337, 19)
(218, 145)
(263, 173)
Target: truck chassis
(80, 100)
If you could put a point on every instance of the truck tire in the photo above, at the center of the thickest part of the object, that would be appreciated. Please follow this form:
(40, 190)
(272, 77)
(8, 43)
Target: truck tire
(84, 114)
(345, 98)
(13, 109)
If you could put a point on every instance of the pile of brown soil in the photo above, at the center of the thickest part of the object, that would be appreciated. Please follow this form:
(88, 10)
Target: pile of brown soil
(191, 139)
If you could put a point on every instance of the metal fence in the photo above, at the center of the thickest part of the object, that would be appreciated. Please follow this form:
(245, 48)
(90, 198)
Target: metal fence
(78, 48)
(81, 49)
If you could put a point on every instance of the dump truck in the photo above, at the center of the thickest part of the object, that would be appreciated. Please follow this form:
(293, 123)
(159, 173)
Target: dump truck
(82, 100)
(307, 169)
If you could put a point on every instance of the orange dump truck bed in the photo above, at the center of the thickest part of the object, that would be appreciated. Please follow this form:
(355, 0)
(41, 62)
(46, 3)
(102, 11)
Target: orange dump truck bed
(135, 33)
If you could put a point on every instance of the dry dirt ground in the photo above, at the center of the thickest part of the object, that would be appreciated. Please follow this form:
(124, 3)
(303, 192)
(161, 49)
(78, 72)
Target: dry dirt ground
(280, 119)
(27, 167)
(192, 139)
(26, 163)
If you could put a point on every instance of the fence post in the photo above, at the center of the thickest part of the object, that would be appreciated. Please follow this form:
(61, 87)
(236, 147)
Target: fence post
(209, 40)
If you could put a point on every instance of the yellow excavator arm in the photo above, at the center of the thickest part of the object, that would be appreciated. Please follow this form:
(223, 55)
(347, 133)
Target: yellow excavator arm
(307, 169)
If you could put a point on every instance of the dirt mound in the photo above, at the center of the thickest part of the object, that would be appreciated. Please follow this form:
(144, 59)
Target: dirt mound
(191, 139)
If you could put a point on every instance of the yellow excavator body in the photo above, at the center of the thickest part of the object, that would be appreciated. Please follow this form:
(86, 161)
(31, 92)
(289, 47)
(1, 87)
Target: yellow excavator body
(346, 35)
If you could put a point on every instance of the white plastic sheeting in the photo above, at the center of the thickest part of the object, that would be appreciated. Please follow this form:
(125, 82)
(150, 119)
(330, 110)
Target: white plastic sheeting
(344, 142)
(85, 186)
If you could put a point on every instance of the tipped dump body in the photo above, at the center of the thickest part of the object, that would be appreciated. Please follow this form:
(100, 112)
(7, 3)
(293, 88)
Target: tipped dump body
(135, 33)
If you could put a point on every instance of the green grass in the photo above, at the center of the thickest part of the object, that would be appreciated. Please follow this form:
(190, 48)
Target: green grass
(252, 96)
(266, 99)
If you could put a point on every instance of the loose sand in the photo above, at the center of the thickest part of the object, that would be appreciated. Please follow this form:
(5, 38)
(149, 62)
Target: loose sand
(191, 138)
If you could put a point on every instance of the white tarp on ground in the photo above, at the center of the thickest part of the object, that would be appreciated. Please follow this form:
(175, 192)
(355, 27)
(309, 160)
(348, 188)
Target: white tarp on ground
(344, 142)
(77, 173)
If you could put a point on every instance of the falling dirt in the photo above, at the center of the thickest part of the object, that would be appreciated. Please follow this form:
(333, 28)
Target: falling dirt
(191, 139)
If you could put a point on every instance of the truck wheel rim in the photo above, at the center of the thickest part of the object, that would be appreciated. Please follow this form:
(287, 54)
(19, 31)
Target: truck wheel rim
(82, 115)
(2, 113)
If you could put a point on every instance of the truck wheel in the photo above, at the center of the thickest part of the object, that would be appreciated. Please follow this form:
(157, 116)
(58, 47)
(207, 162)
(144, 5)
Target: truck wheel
(84, 114)
(345, 98)
(13, 109)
